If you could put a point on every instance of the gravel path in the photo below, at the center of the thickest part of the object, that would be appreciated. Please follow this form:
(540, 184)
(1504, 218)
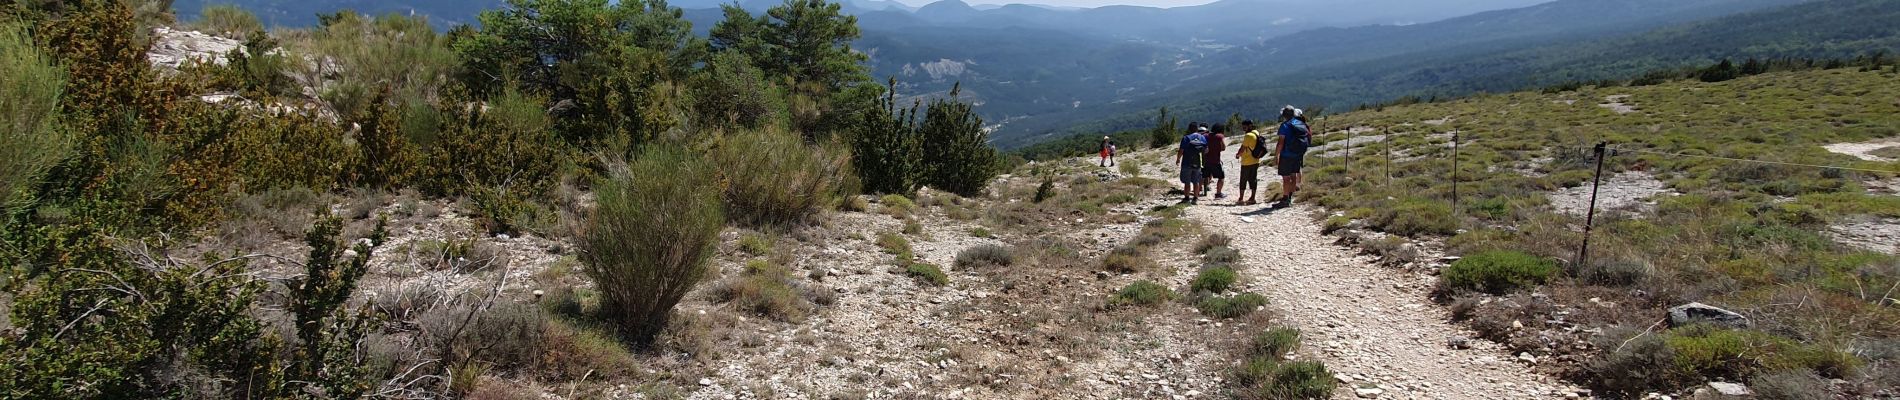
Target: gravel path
(1374, 326)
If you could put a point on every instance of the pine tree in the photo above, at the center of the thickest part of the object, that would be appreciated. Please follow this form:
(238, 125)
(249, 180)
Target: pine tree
(957, 154)
(886, 147)
(1163, 133)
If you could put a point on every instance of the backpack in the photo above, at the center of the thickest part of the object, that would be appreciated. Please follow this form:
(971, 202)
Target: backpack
(1260, 147)
(1298, 143)
(1196, 149)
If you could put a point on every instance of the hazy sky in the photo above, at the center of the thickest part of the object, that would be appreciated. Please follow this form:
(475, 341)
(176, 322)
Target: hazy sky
(1076, 3)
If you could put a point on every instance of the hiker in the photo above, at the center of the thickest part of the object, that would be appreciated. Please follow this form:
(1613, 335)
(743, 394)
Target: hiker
(1295, 136)
(1211, 170)
(1193, 148)
(1108, 152)
(1251, 151)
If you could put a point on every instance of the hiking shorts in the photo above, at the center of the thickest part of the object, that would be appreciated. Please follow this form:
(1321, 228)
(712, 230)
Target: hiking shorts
(1290, 166)
(1250, 174)
(1213, 171)
(1190, 175)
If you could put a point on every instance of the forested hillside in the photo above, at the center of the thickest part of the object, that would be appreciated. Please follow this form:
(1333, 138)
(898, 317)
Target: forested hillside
(1820, 29)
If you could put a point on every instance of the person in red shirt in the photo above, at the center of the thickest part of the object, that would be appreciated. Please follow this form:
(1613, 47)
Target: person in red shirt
(1211, 169)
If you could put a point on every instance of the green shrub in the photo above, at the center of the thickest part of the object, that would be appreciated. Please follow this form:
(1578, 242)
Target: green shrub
(1045, 190)
(1214, 279)
(732, 92)
(1222, 255)
(1496, 272)
(227, 21)
(1615, 272)
(1633, 362)
(897, 245)
(1299, 380)
(30, 143)
(1130, 169)
(1141, 293)
(927, 273)
(897, 205)
(986, 255)
(764, 289)
(981, 232)
(755, 244)
(886, 147)
(1212, 241)
(772, 178)
(503, 157)
(1276, 342)
(1125, 260)
(957, 153)
(1413, 217)
(648, 240)
(1230, 307)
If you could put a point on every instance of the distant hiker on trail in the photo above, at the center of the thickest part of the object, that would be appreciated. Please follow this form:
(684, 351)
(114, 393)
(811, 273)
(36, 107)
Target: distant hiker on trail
(1211, 170)
(1193, 148)
(1295, 137)
(1251, 151)
(1108, 152)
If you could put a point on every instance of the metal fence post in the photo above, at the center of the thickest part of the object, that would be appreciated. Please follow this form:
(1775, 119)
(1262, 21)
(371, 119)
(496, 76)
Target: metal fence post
(1589, 218)
(1388, 156)
(1454, 172)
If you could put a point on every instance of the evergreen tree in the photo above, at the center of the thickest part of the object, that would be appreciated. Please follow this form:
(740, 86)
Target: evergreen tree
(1163, 133)
(957, 153)
(886, 149)
(809, 43)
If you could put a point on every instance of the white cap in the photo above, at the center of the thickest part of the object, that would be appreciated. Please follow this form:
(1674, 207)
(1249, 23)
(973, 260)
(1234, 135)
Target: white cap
(1203, 128)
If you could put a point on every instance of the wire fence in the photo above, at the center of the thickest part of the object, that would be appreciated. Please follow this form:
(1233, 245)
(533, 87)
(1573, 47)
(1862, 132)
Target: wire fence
(1599, 153)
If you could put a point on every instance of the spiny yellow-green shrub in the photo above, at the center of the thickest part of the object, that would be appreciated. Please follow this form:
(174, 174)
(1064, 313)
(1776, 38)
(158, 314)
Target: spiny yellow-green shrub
(30, 140)
(647, 242)
(772, 178)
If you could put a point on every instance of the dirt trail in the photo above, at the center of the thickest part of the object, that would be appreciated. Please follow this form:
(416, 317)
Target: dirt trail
(1373, 325)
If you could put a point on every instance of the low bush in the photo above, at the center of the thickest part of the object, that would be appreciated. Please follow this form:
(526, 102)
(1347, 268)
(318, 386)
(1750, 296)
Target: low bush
(1222, 255)
(649, 237)
(1212, 241)
(1413, 217)
(1125, 260)
(1230, 306)
(1276, 342)
(765, 290)
(1141, 293)
(1790, 385)
(981, 232)
(927, 274)
(1046, 190)
(755, 244)
(895, 244)
(987, 255)
(1615, 273)
(1299, 380)
(897, 205)
(1130, 169)
(1496, 272)
(1214, 279)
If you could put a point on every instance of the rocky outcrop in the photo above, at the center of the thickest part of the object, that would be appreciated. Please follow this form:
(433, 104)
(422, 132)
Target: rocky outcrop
(173, 49)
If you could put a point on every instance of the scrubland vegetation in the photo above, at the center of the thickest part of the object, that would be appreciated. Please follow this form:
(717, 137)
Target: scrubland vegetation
(139, 201)
(1754, 237)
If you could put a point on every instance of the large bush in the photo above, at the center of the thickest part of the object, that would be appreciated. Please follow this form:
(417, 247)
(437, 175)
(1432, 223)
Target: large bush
(957, 153)
(772, 178)
(887, 150)
(1496, 272)
(648, 240)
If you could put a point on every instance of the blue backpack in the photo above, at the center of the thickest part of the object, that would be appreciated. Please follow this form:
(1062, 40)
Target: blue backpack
(1195, 149)
(1300, 140)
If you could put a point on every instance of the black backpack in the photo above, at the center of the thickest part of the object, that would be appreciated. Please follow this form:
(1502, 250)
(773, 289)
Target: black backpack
(1260, 147)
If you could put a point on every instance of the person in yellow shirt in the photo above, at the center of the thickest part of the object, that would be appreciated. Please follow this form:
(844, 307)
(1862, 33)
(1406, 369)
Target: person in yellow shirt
(1249, 165)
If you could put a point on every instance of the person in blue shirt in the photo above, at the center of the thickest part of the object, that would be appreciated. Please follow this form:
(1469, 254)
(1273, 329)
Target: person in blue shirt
(1193, 149)
(1290, 153)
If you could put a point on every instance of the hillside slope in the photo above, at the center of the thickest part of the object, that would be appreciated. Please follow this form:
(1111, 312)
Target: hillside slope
(1832, 28)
